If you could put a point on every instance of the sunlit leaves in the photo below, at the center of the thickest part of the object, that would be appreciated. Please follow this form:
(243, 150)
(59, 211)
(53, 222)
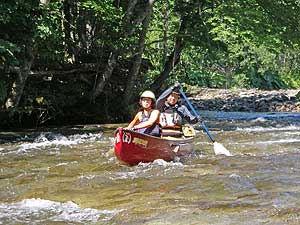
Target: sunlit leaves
(8, 52)
(39, 100)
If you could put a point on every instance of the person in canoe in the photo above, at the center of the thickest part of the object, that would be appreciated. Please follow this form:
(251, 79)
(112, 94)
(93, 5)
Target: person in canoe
(147, 118)
(173, 114)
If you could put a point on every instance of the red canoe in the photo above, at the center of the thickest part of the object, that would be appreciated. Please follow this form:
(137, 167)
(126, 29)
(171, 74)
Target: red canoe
(132, 148)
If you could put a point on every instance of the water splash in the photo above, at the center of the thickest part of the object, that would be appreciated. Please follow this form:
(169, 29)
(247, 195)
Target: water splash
(42, 211)
(48, 139)
(158, 167)
(268, 129)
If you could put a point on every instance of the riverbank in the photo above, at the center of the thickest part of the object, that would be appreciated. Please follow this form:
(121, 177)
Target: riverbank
(203, 99)
(246, 100)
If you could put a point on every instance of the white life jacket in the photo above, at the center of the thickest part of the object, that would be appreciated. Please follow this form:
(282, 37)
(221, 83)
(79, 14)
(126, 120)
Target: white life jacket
(170, 117)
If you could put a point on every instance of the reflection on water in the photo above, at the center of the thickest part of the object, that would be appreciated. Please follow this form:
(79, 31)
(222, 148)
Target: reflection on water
(50, 178)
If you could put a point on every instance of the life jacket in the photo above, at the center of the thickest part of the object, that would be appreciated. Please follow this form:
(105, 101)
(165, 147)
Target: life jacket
(171, 121)
(169, 116)
(154, 130)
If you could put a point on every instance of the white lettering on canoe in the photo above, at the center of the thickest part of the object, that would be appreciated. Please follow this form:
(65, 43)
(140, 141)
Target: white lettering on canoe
(117, 138)
(126, 138)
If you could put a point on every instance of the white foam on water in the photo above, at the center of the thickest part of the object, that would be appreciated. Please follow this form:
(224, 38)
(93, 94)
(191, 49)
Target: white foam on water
(278, 141)
(268, 129)
(47, 139)
(259, 119)
(125, 175)
(33, 210)
(161, 162)
(148, 169)
(267, 142)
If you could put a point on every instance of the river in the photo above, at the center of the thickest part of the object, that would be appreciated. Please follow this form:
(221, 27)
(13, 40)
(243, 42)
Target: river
(54, 178)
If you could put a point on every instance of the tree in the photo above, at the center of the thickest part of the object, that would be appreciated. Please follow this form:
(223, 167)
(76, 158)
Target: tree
(99, 51)
(135, 14)
(137, 60)
(18, 25)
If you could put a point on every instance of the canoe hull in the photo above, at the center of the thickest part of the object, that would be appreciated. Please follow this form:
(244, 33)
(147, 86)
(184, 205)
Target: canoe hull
(132, 148)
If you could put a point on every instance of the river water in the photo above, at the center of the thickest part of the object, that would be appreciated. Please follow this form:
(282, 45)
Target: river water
(54, 178)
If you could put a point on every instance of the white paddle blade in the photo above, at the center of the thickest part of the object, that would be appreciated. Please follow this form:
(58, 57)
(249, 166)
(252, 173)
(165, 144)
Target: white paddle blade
(221, 150)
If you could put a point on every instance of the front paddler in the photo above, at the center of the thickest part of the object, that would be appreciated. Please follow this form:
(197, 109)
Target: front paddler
(146, 120)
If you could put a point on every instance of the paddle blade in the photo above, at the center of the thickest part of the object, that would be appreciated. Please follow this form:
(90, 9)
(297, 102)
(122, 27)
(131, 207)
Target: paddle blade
(221, 150)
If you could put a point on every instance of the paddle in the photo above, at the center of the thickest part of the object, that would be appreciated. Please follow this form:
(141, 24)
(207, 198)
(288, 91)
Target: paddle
(218, 148)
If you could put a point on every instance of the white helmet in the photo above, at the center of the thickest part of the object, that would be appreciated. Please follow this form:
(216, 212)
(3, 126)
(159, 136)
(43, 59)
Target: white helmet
(148, 94)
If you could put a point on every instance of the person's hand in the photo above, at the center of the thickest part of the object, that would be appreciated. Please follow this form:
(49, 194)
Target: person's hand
(130, 128)
(199, 119)
(177, 86)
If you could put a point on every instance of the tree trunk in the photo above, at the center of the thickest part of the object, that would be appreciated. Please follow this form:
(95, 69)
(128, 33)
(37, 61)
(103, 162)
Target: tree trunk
(101, 80)
(16, 91)
(18, 85)
(68, 25)
(173, 59)
(165, 33)
(130, 26)
(135, 69)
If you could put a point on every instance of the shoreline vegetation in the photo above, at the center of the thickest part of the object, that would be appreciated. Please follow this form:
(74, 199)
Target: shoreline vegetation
(64, 63)
(203, 99)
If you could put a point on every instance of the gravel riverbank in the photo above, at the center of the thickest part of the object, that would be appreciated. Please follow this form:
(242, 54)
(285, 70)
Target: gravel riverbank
(247, 100)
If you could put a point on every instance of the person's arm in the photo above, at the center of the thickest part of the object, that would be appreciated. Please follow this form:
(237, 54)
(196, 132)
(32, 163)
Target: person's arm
(152, 119)
(135, 120)
(162, 98)
(188, 115)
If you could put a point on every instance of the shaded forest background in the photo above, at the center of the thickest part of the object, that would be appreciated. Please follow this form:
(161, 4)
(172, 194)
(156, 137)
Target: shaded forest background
(86, 61)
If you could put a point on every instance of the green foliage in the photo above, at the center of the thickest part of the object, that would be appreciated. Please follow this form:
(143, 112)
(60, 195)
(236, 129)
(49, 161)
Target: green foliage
(108, 17)
(17, 28)
(267, 80)
(161, 36)
(292, 79)
(8, 53)
(240, 80)
(49, 35)
(226, 44)
(3, 90)
(242, 37)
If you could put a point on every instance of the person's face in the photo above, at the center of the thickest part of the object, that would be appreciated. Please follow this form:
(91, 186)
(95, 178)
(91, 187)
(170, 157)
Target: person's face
(146, 103)
(173, 98)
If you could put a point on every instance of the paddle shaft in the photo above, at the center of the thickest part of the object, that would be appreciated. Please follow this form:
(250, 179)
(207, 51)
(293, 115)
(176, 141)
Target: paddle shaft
(197, 115)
